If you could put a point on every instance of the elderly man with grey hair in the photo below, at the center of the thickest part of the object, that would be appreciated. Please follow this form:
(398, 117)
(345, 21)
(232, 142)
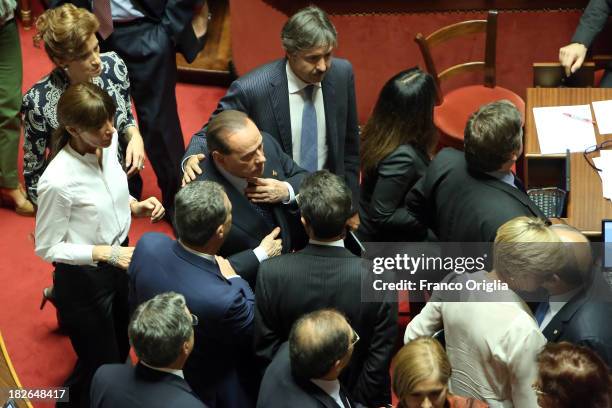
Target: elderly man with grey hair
(161, 333)
(306, 101)
(222, 301)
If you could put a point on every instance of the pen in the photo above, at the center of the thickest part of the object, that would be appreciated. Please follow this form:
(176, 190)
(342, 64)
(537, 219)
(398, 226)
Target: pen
(569, 115)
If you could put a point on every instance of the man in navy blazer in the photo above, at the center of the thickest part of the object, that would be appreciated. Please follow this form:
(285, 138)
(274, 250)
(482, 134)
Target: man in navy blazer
(162, 335)
(261, 182)
(275, 98)
(218, 369)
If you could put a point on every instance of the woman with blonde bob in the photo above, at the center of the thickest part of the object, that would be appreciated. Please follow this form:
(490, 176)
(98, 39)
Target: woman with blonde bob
(69, 37)
(492, 338)
(82, 224)
(421, 371)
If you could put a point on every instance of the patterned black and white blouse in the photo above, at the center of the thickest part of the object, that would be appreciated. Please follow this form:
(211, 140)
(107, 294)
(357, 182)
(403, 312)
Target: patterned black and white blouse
(39, 109)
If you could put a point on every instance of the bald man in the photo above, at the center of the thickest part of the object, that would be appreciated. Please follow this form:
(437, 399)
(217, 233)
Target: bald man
(580, 303)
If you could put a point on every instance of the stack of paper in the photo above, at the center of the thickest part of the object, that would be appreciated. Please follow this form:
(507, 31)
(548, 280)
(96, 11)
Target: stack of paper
(603, 115)
(604, 162)
(564, 127)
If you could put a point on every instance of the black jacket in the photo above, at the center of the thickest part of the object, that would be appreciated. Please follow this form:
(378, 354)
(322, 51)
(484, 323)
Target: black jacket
(121, 385)
(381, 209)
(249, 227)
(320, 277)
(461, 205)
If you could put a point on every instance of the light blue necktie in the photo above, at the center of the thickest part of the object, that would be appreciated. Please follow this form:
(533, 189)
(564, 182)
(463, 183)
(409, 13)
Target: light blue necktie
(541, 311)
(308, 143)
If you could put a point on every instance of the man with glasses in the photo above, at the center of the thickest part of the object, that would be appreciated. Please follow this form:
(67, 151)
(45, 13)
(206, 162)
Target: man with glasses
(322, 275)
(306, 370)
(161, 333)
(221, 299)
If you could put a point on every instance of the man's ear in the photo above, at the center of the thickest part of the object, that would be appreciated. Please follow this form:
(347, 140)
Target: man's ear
(220, 231)
(216, 156)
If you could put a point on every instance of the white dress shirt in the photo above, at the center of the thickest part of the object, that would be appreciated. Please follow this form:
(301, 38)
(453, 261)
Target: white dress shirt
(492, 347)
(555, 304)
(81, 204)
(296, 107)
(165, 370)
(331, 388)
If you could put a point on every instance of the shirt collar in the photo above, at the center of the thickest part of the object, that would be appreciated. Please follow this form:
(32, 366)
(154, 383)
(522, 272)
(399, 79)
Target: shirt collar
(294, 83)
(331, 388)
(165, 370)
(564, 297)
(239, 183)
(87, 157)
(208, 257)
(338, 243)
(505, 176)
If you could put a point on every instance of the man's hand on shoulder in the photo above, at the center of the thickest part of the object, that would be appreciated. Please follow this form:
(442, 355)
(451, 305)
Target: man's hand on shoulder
(266, 190)
(572, 56)
(227, 270)
(192, 168)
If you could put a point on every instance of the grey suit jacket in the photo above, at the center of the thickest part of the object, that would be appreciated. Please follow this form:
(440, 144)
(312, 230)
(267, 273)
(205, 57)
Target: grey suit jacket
(592, 21)
(263, 95)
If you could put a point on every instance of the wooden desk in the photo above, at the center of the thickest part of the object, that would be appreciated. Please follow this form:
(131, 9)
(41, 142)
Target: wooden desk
(586, 206)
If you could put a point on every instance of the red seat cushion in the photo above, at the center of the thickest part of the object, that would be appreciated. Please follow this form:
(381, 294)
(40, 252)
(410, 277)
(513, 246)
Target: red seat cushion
(450, 117)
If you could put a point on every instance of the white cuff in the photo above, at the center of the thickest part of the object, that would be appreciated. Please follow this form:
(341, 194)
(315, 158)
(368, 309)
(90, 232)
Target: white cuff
(261, 254)
(291, 194)
(184, 160)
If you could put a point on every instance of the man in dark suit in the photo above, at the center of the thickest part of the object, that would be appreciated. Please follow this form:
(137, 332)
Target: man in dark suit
(219, 369)
(306, 101)
(591, 23)
(261, 182)
(580, 304)
(466, 196)
(162, 335)
(147, 35)
(306, 369)
(325, 274)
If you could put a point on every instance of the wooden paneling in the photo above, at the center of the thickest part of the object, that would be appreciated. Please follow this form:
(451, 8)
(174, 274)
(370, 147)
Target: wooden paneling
(586, 205)
(212, 64)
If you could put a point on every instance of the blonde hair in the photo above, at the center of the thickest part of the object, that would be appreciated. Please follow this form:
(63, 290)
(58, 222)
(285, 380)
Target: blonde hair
(527, 247)
(418, 361)
(65, 31)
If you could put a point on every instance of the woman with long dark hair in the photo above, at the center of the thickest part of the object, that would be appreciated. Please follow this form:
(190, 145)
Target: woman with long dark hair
(82, 223)
(397, 143)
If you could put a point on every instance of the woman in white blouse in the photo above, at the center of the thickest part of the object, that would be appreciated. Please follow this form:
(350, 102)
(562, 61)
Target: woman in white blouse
(82, 224)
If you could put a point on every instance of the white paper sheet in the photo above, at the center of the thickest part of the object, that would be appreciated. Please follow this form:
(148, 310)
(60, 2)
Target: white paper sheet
(603, 116)
(558, 132)
(604, 163)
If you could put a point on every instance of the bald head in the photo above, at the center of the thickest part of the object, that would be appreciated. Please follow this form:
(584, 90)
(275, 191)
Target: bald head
(579, 255)
(318, 342)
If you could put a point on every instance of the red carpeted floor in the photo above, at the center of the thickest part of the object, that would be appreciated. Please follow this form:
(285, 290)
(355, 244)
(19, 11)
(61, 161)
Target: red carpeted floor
(41, 356)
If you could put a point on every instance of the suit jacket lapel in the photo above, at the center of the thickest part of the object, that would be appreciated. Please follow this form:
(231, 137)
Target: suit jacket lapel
(331, 129)
(279, 98)
(514, 192)
(554, 329)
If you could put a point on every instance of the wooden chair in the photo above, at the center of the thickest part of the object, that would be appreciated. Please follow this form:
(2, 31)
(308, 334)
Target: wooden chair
(552, 75)
(455, 107)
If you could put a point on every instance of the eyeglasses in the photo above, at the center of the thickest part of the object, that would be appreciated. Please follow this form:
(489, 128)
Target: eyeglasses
(592, 149)
(537, 389)
(194, 320)
(355, 339)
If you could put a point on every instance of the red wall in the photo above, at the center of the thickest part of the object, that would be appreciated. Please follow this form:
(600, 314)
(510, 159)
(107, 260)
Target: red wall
(381, 44)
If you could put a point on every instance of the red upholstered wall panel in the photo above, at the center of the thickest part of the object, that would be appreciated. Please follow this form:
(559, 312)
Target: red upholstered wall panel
(381, 44)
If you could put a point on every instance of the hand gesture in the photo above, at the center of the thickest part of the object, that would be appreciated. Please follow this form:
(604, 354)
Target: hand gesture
(571, 57)
(192, 168)
(266, 190)
(125, 257)
(134, 154)
(200, 20)
(151, 207)
(227, 270)
(271, 244)
(353, 222)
